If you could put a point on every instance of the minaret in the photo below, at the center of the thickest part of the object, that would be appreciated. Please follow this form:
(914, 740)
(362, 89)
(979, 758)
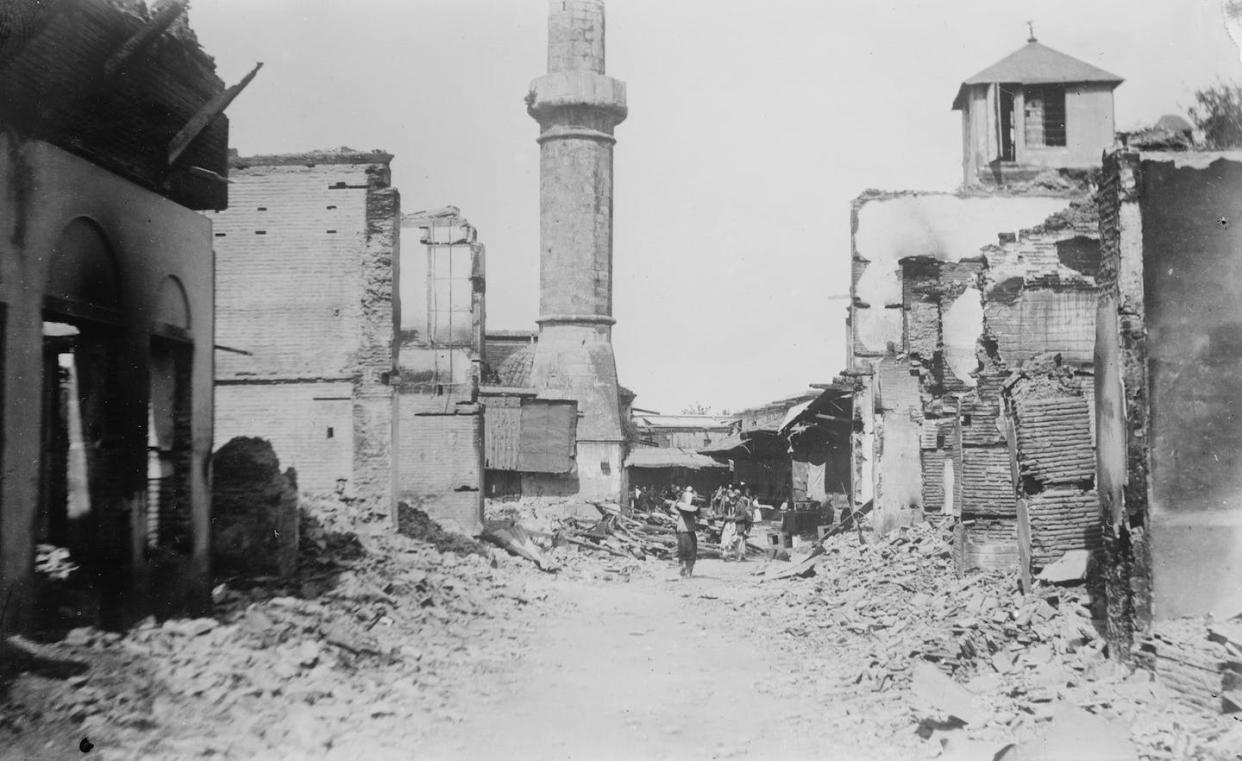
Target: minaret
(577, 108)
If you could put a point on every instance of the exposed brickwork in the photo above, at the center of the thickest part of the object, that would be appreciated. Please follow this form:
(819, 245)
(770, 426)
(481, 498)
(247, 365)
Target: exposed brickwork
(1061, 519)
(440, 462)
(1054, 439)
(306, 259)
(310, 425)
(989, 544)
(987, 484)
(1121, 405)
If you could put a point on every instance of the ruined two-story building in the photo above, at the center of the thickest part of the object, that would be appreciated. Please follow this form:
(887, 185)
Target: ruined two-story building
(113, 140)
(954, 292)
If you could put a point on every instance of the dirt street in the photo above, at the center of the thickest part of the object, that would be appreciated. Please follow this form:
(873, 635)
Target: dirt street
(388, 647)
(657, 668)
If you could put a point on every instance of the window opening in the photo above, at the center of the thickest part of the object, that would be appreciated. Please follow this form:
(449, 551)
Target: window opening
(169, 451)
(450, 297)
(1044, 115)
(1006, 124)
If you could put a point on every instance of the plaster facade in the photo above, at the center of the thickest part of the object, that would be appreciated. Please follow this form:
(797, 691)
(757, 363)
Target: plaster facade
(1167, 362)
(126, 274)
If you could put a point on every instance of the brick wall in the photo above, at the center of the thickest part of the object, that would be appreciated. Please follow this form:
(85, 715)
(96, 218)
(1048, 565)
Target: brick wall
(439, 458)
(310, 425)
(306, 260)
(289, 273)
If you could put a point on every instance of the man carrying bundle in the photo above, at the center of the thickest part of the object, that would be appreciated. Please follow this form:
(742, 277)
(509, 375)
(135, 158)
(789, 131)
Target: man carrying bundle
(686, 513)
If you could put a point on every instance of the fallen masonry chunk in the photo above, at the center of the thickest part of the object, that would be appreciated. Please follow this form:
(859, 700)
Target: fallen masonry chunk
(1071, 568)
(931, 688)
(515, 540)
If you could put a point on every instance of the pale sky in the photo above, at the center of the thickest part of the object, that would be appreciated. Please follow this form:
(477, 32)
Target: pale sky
(751, 127)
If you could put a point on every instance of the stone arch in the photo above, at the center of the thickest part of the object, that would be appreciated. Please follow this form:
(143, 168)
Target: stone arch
(83, 269)
(172, 305)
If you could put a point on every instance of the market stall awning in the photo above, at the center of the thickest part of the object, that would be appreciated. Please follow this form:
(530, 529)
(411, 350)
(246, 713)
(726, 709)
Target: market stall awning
(833, 405)
(793, 414)
(751, 444)
(669, 457)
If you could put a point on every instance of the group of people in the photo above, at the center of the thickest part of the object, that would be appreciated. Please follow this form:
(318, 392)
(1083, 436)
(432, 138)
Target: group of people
(732, 505)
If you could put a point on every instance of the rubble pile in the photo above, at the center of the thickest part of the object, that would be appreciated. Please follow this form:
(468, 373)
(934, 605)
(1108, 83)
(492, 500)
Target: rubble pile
(372, 642)
(620, 538)
(1006, 664)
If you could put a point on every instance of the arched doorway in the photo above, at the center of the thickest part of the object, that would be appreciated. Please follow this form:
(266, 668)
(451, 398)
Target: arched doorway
(83, 528)
(169, 432)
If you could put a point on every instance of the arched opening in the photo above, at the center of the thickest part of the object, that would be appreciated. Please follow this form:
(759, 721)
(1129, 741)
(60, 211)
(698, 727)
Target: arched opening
(82, 536)
(169, 431)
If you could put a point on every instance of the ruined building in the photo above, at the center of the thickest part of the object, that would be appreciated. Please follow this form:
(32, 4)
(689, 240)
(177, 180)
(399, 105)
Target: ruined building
(578, 107)
(440, 417)
(1167, 403)
(306, 269)
(952, 294)
(113, 137)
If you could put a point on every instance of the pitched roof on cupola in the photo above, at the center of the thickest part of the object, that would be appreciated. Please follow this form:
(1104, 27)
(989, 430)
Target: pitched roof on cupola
(1036, 64)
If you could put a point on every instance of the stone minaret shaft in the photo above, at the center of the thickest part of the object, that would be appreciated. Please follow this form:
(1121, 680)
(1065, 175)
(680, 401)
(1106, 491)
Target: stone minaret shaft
(578, 107)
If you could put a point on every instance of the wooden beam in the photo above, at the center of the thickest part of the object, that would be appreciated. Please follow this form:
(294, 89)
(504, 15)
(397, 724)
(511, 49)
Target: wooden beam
(833, 418)
(206, 115)
(162, 19)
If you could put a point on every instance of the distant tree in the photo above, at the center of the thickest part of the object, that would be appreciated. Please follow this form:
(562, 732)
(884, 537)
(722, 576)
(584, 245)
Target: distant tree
(1218, 112)
(698, 408)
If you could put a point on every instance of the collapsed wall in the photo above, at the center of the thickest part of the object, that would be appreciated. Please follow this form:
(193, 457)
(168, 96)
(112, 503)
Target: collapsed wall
(914, 345)
(440, 424)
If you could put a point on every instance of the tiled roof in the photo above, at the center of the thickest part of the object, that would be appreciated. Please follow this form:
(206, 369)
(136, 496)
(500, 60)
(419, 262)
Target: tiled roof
(1034, 64)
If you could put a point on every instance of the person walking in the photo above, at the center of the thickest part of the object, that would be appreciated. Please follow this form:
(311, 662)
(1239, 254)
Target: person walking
(743, 519)
(686, 513)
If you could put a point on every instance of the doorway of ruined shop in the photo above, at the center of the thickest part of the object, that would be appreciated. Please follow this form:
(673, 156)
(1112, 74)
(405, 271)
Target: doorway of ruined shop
(79, 552)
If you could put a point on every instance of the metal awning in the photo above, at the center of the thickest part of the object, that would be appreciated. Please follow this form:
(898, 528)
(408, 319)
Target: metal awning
(670, 457)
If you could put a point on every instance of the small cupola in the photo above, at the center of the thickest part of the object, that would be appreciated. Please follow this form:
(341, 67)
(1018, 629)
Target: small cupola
(1034, 109)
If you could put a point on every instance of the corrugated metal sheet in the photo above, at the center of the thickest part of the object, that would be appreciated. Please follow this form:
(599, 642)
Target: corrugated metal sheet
(549, 434)
(502, 418)
(670, 457)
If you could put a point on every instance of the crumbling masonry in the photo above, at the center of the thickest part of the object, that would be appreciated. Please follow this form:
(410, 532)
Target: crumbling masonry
(307, 260)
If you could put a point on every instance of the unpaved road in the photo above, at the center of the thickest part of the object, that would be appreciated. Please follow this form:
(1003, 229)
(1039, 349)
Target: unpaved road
(657, 668)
